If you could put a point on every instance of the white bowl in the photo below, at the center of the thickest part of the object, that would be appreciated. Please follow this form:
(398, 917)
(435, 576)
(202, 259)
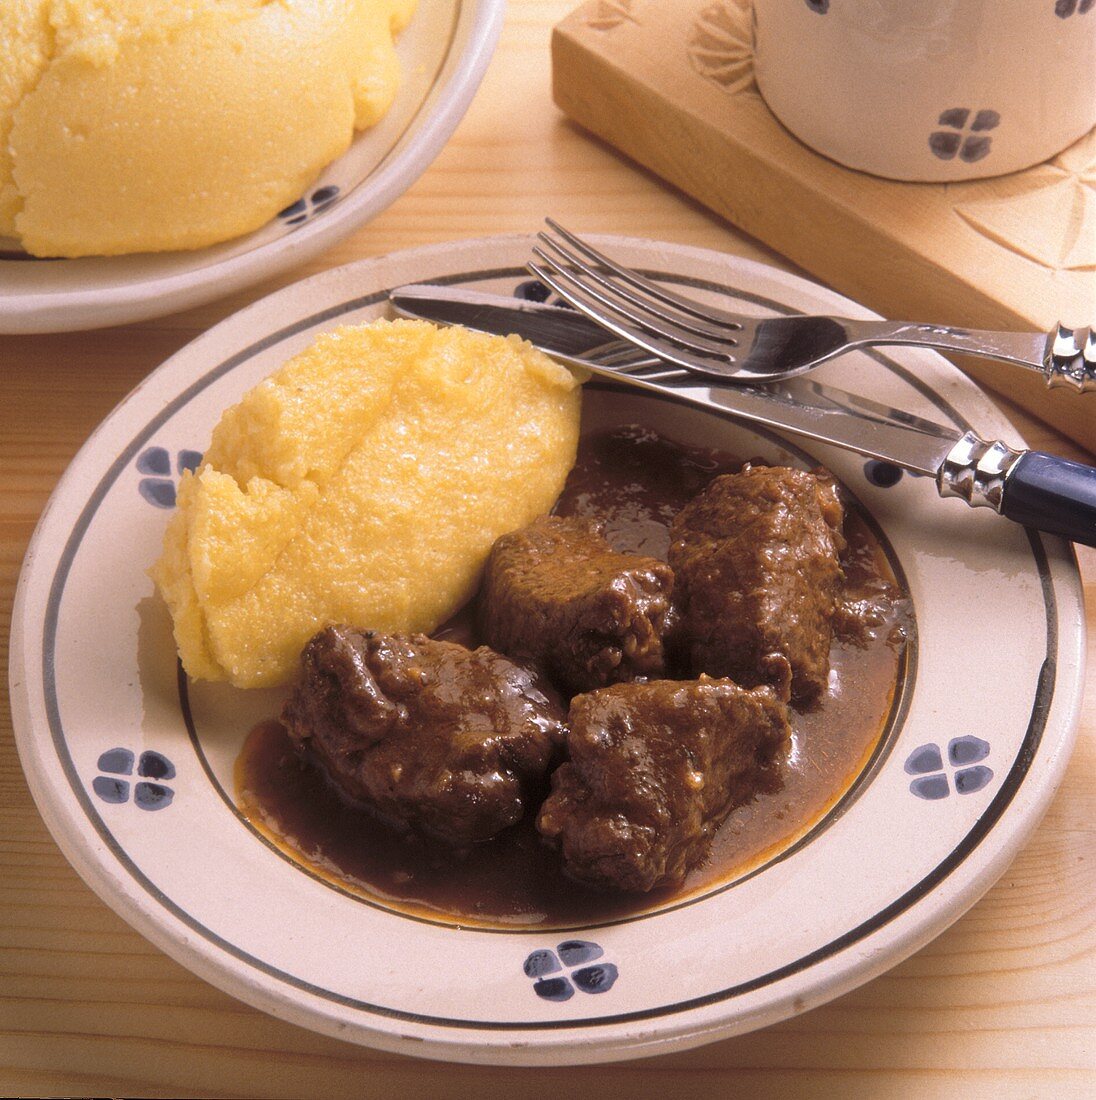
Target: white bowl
(444, 53)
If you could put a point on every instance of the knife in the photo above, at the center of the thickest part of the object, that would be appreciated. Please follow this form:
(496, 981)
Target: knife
(1030, 487)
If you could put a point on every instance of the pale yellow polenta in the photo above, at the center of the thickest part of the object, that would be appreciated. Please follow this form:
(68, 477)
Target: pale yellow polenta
(363, 483)
(139, 125)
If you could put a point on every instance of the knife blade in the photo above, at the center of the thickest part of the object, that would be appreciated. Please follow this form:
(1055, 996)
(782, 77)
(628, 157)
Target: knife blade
(1033, 488)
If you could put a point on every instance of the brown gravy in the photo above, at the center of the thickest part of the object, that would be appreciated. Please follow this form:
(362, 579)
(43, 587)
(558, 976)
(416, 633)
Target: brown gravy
(635, 482)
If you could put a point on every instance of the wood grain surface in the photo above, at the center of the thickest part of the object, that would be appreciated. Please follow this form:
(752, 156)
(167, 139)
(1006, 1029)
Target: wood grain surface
(672, 85)
(1002, 1004)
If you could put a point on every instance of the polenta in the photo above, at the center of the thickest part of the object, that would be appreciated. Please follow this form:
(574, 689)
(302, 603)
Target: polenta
(363, 483)
(141, 125)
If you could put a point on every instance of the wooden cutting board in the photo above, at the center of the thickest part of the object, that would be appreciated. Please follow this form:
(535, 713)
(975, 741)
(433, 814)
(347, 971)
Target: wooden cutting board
(670, 83)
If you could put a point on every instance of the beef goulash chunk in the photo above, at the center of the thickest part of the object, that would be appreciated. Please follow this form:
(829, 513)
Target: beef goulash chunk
(654, 769)
(758, 576)
(556, 593)
(450, 742)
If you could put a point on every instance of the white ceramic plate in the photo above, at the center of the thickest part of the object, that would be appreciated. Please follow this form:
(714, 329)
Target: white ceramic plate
(132, 768)
(444, 53)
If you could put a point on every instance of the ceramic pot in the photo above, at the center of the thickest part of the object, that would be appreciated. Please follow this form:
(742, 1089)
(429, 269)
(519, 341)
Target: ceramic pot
(930, 89)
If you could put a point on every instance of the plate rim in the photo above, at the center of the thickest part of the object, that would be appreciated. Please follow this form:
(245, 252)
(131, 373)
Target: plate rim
(551, 1043)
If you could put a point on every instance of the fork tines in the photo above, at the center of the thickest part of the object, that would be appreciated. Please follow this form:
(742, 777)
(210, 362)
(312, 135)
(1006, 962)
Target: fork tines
(630, 305)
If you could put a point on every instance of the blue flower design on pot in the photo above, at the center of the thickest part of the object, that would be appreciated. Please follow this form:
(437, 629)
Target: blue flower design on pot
(148, 793)
(819, 6)
(550, 983)
(158, 487)
(1065, 8)
(931, 782)
(965, 136)
(323, 198)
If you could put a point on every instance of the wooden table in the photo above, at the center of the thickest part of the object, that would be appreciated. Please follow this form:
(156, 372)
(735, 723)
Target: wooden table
(1003, 1004)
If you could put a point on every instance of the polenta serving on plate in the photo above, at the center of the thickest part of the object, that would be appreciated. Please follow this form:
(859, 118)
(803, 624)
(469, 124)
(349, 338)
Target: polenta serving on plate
(147, 125)
(364, 482)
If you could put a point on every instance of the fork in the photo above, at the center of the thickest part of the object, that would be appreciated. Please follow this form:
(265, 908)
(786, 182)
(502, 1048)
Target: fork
(737, 348)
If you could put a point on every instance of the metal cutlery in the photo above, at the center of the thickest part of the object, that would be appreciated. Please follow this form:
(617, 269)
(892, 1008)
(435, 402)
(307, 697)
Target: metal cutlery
(738, 348)
(1033, 488)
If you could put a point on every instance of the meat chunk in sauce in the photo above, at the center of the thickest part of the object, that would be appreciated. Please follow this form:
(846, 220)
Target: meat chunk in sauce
(756, 561)
(556, 593)
(451, 742)
(653, 770)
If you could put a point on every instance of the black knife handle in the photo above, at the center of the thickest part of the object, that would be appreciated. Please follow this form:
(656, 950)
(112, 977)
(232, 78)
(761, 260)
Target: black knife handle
(1052, 494)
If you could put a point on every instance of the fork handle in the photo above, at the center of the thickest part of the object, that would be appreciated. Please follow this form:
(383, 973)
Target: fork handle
(1064, 357)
